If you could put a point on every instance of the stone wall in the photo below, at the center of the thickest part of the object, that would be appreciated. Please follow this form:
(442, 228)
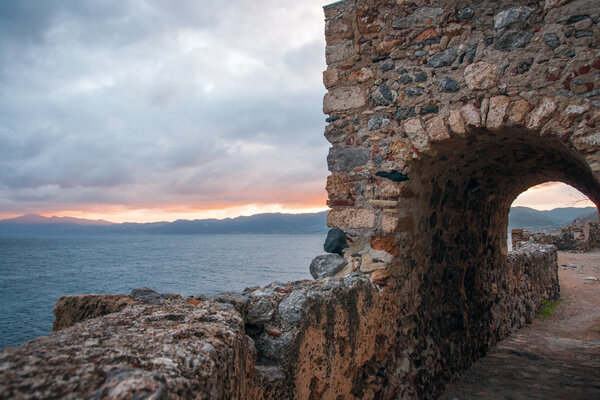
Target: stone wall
(579, 236)
(334, 338)
(439, 116)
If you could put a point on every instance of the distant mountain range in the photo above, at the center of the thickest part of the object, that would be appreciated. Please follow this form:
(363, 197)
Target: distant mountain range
(536, 220)
(519, 217)
(260, 223)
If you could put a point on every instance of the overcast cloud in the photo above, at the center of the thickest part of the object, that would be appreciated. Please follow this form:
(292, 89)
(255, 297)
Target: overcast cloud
(152, 103)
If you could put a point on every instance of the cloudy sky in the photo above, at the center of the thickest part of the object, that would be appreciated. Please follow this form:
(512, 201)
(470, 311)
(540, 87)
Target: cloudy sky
(145, 110)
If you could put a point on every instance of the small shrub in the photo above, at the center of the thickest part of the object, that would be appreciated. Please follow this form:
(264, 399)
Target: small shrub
(548, 308)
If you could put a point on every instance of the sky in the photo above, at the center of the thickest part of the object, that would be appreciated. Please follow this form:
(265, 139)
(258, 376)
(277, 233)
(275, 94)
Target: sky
(151, 110)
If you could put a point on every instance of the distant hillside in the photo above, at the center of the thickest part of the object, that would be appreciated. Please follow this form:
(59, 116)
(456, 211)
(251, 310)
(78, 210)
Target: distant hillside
(530, 219)
(519, 217)
(35, 219)
(260, 223)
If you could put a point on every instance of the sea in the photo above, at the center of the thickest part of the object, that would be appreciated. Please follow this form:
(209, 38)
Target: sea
(36, 270)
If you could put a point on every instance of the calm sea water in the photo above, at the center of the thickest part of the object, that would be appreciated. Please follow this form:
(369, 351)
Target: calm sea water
(36, 271)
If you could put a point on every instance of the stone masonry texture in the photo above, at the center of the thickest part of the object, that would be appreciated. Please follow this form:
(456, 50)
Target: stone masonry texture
(439, 115)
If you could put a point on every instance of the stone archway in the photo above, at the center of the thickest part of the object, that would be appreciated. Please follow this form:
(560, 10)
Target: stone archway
(439, 117)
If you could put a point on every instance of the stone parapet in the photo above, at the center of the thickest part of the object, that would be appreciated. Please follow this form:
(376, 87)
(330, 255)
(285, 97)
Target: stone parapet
(325, 338)
(580, 236)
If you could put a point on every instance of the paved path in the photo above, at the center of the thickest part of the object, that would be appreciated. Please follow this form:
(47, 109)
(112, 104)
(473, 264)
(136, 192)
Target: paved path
(554, 358)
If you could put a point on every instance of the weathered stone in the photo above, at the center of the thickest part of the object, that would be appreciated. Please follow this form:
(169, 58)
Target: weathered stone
(512, 15)
(70, 310)
(416, 133)
(386, 66)
(362, 75)
(456, 122)
(483, 110)
(386, 47)
(351, 218)
(335, 242)
(339, 52)
(481, 75)
(421, 77)
(271, 345)
(425, 16)
(260, 312)
(465, 14)
(387, 188)
(157, 351)
(429, 110)
(571, 113)
(518, 112)
(146, 295)
(404, 113)
(471, 116)
(404, 79)
(291, 308)
(377, 122)
(443, 59)
(384, 95)
(343, 99)
(436, 129)
(513, 39)
(385, 243)
(384, 203)
(449, 85)
(415, 91)
(390, 223)
(330, 78)
(345, 159)
(327, 265)
(497, 112)
(552, 40)
(369, 263)
(541, 114)
(336, 188)
(444, 42)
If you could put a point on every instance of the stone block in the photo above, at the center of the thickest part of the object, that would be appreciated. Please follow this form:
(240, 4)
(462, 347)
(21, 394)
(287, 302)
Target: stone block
(541, 114)
(327, 265)
(330, 78)
(416, 133)
(339, 52)
(370, 263)
(571, 113)
(380, 275)
(385, 243)
(336, 188)
(471, 116)
(351, 218)
(456, 122)
(481, 75)
(343, 99)
(345, 159)
(496, 112)
(518, 111)
(436, 129)
(361, 75)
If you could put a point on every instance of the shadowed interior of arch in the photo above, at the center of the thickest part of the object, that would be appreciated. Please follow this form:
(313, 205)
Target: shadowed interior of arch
(465, 187)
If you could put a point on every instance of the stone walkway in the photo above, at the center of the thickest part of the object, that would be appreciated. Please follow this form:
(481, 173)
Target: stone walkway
(553, 358)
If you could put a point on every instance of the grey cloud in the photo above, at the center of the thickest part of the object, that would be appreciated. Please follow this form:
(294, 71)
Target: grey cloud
(119, 102)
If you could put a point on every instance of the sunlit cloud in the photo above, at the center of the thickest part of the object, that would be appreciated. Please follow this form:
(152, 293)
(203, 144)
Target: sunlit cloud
(550, 195)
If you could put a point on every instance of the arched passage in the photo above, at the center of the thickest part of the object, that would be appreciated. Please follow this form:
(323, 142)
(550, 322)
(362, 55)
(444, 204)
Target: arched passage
(464, 187)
